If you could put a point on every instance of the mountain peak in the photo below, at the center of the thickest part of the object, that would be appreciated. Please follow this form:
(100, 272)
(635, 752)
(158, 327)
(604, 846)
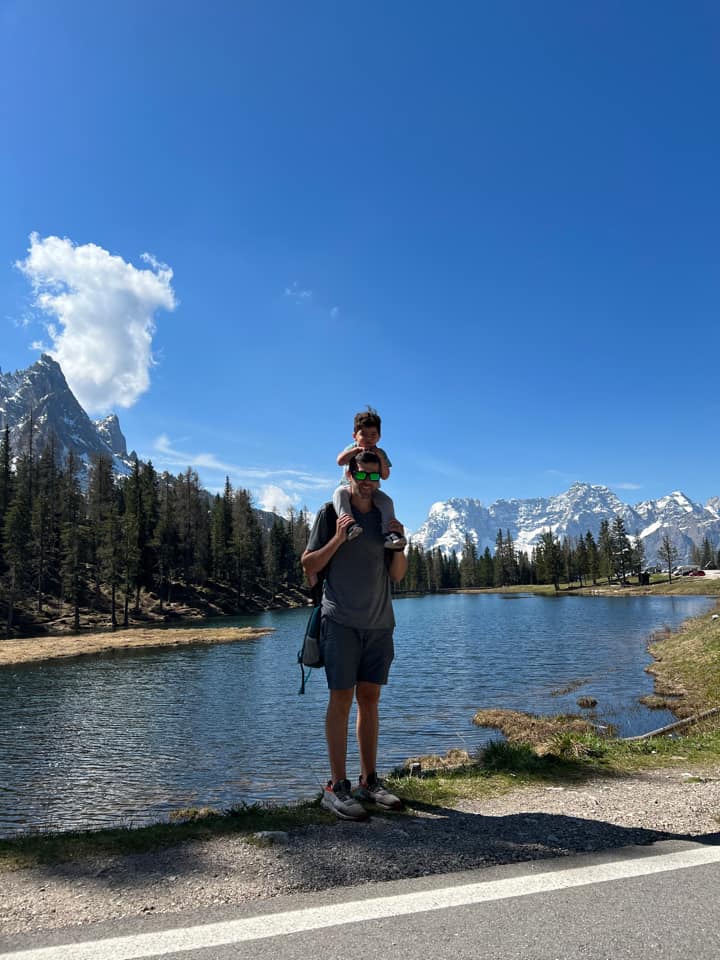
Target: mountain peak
(39, 399)
(570, 514)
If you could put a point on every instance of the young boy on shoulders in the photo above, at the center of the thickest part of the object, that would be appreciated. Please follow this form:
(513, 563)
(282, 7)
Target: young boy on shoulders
(366, 433)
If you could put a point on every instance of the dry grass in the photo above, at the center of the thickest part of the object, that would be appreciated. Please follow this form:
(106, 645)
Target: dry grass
(532, 729)
(36, 649)
(453, 760)
(687, 665)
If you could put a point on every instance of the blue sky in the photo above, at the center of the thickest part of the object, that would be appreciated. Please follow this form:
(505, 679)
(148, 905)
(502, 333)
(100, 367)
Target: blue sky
(497, 223)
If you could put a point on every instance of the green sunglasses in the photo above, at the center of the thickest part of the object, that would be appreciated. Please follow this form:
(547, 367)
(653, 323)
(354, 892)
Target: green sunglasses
(364, 475)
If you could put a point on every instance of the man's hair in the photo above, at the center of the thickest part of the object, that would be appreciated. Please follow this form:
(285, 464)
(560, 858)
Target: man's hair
(366, 418)
(365, 456)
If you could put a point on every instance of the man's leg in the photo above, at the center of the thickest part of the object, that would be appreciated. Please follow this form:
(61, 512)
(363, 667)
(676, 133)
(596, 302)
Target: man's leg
(336, 725)
(368, 698)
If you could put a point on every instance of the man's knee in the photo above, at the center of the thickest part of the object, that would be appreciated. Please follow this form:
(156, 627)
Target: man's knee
(368, 694)
(341, 700)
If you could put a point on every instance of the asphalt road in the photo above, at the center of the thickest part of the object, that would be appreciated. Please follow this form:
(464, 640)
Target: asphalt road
(656, 902)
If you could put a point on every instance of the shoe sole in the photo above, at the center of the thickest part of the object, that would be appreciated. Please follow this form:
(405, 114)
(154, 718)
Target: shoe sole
(343, 816)
(396, 805)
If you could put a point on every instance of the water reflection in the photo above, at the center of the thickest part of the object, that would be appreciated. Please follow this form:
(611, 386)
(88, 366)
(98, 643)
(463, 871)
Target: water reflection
(127, 738)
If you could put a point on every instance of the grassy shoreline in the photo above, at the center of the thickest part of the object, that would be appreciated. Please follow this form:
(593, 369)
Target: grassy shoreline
(40, 649)
(686, 667)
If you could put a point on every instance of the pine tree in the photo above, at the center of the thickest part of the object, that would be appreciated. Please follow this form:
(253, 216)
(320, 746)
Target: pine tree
(73, 539)
(622, 551)
(668, 554)
(593, 558)
(707, 553)
(247, 545)
(132, 535)
(149, 514)
(6, 485)
(606, 551)
(17, 548)
(278, 556)
(166, 537)
(452, 571)
(486, 575)
(221, 534)
(637, 554)
(582, 560)
(45, 523)
(468, 564)
(549, 559)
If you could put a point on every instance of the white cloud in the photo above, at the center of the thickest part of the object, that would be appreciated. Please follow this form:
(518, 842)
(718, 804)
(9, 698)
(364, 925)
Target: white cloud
(276, 500)
(167, 456)
(626, 486)
(298, 294)
(104, 312)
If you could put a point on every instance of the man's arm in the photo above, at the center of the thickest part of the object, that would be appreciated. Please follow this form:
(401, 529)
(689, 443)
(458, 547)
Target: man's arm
(313, 561)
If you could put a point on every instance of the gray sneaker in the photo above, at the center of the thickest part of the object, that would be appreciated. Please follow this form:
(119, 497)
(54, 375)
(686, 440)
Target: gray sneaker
(373, 790)
(393, 541)
(339, 800)
(354, 530)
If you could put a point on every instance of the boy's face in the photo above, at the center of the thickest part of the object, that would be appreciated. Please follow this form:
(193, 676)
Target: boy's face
(367, 437)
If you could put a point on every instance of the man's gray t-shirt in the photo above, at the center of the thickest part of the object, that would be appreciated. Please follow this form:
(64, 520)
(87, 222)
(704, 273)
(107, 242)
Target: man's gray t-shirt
(356, 592)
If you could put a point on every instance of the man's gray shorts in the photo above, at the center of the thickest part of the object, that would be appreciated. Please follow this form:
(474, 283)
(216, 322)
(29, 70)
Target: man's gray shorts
(351, 655)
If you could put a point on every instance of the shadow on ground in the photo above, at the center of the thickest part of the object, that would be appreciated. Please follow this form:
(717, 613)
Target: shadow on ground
(429, 840)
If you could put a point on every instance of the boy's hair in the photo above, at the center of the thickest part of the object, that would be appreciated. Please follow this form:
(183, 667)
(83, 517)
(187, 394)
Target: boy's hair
(365, 456)
(366, 418)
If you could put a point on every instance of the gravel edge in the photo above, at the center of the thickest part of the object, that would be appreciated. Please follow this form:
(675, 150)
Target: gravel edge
(531, 823)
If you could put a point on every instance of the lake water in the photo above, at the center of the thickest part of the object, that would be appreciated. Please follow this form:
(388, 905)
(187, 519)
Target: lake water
(127, 738)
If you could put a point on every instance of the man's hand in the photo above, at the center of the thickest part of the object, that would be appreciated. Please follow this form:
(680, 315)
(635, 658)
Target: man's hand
(396, 527)
(344, 522)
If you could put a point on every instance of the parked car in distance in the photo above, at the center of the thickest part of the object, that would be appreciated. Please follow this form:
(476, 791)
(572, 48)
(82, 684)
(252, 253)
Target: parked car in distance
(684, 569)
(696, 573)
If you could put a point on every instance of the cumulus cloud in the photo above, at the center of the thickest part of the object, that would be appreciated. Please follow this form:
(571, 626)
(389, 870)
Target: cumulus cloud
(103, 316)
(276, 500)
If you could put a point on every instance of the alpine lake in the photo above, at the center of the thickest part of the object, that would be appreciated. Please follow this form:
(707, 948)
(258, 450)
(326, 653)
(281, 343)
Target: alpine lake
(129, 737)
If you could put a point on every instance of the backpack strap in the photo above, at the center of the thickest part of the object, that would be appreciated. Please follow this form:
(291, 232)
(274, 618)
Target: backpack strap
(316, 592)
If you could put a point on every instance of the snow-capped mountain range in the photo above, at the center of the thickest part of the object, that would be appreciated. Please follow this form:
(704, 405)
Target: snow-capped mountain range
(42, 396)
(570, 514)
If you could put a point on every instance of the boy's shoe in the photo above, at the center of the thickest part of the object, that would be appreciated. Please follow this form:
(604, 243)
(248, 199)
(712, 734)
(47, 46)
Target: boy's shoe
(394, 541)
(373, 790)
(354, 531)
(340, 801)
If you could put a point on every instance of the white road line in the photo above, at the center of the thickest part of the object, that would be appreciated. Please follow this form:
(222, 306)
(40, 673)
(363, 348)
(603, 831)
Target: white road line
(314, 918)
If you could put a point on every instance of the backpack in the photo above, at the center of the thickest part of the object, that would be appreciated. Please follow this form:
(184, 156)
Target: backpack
(309, 654)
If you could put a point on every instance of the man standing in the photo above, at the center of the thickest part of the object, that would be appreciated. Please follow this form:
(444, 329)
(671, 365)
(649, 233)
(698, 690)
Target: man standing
(356, 634)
